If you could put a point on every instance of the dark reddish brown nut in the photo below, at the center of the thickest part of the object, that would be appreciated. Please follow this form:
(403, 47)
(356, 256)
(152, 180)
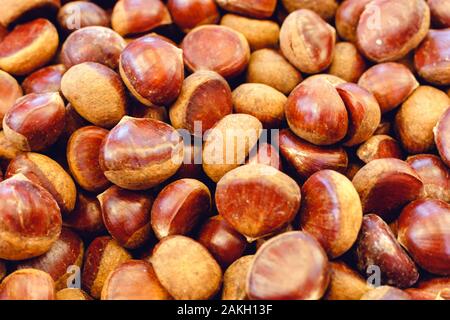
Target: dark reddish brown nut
(8, 151)
(229, 60)
(310, 52)
(259, 33)
(442, 137)
(190, 14)
(35, 121)
(345, 283)
(331, 211)
(253, 8)
(307, 158)
(30, 219)
(86, 218)
(415, 127)
(93, 44)
(377, 247)
(205, 99)
(432, 57)
(134, 280)
(287, 228)
(440, 15)
(14, 9)
(152, 69)
(10, 91)
(47, 173)
(96, 93)
(73, 122)
(28, 284)
(386, 185)
(271, 68)
(45, 80)
(124, 163)
(67, 251)
(423, 229)
(379, 147)
(79, 14)
(192, 162)
(103, 256)
(347, 18)
(380, 35)
(28, 47)
(384, 128)
(83, 150)
(386, 293)
(131, 230)
(248, 196)
(325, 8)
(391, 84)
(3, 32)
(265, 153)
(186, 269)
(179, 207)
(436, 286)
(434, 175)
(347, 64)
(72, 294)
(228, 143)
(234, 279)
(3, 270)
(290, 266)
(138, 110)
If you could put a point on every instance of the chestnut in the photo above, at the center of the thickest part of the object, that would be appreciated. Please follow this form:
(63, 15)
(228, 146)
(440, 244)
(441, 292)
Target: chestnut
(73, 122)
(72, 294)
(10, 91)
(27, 284)
(265, 153)
(442, 137)
(28, 47)
(29, 217)
(386, 293)
(190, 14)
(347, 64)
(290, 266)
(88, 14)
(138, 110)
(378, 147)
(347, 18)
(386, 185)
(247, 197)
(186, 269)
(192, 161)
(345, 283)
(234, 279)
(436, 286)
(44, 80)
(253, 8)
(423, 229)
(324, 8)
(440, 16)
(8, 150)
(205, 98)
(15, 9)
(125, 164)
(152, 69)
(134, 280)
(228, 60)
(179, 207)
(3, 270)
(310, 52)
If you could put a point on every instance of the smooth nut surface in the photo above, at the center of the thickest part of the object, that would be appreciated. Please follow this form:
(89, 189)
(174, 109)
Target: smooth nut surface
(188, 15)
(378, 147)
(10, 91)
(44, 80)
(27, 284)
(252, 8)
(89, 14)
(442, 137)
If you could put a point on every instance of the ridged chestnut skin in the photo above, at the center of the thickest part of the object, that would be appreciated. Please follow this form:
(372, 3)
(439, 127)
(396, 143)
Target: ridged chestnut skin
(391, 83)
(424, 230)
(307, 41)
(67, 251)
(331, 211)
(253, 8)
(35, 121)
(377, 246)
(230, 61)
(378, 147)
(152, 69)
(83, 151)
(28, 47)
(10, 91)
(386, 185)
(47, 173)
(179, 207)
(131, 230)
(30, 219)
(189, 14)
(345, 283)
(134, 280)
(72, 294)
(257, 199)
(124, 163)
(442, 137)
(386, 293)
(14, 9)
(205, 98)
(440, 15)
(102, 257)
(389, 30)
(348, 64)
(44, 80)
(347, 18)
(93, 44)
(432, 57)
(27, 284)
(290, 266)
(265, 153)
(90, 14)
(434, 174)
(186, 269)
(235, 278)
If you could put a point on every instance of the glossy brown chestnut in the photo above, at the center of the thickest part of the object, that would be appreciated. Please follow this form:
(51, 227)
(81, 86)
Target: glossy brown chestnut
(291, 266)
(124, 163)
(347, 18)
(379, 147)
(325, 8)
(253, 8)
(8, 151)
(14, 9)
(10, 91)
(152, 69)
(235, 278)
(189, 14)
(442, 137)
(179, 207)
(436, 286)
(30, 219)
(79, 14)
(386, 293)
(347, 64)
(72, 294)
(265, 153)
(386, 185)
(192, 162)
(248, 196)
(44, 80)
(345, 283)
(186, 269)
(27, 284)
(73, 122)
(440, 16)
(423, 229)
(138, 110)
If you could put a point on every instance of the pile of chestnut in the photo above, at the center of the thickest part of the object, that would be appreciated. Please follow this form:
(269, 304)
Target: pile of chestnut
(225, 149)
